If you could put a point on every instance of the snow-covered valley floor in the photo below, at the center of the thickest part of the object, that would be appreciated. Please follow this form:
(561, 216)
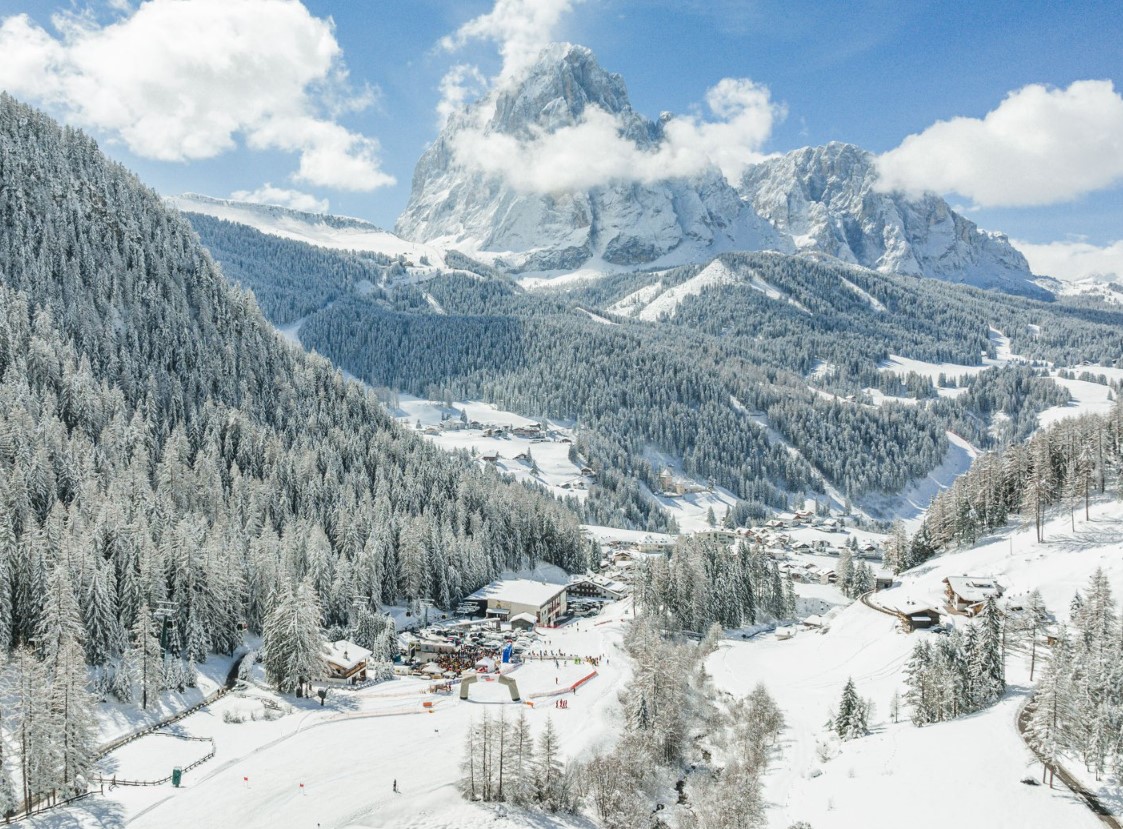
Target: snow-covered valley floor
(349, 753)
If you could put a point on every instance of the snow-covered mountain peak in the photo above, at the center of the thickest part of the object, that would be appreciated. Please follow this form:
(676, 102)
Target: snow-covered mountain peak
(455, 201)
(827, 200)
(823, 200)
(556, 91)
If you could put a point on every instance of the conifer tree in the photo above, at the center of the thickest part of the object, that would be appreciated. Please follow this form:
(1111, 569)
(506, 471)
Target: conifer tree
(850, 720)
(34, 730)
(292, 639)
(144, 662)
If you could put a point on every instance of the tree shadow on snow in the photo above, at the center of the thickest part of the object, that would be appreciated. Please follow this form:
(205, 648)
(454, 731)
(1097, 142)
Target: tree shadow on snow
(93, 811)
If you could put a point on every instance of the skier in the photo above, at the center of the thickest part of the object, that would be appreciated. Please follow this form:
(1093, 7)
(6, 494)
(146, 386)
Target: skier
(396, 786)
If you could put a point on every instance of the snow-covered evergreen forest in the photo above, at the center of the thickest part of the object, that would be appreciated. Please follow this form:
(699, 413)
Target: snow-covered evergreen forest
(1064, 465)
(1078, 705)
(783, 344)
(161, 446)
(701, 585)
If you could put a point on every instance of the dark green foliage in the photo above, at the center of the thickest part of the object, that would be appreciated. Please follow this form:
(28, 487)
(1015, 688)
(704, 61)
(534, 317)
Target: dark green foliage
(156, 431)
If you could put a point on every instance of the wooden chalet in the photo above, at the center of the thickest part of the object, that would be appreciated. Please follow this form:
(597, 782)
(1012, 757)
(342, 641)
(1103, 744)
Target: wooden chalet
(345, 661)
(968, 594)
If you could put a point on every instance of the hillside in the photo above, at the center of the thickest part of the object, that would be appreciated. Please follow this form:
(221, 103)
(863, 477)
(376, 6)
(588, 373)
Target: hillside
(729, 371)
(160, 443)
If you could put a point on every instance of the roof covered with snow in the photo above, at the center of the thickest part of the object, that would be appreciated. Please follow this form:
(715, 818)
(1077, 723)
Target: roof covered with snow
(525, 617)
(974, 588)
(344, 654)
(518, 591)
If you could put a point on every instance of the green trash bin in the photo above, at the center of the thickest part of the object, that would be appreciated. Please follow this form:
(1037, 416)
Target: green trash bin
(177, 776)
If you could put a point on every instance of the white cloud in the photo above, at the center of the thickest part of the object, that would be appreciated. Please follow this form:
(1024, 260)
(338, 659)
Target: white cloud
(461, 84)
(178, 81)
(1071, 261)
(282, 197)
(520, 28)
(1039, 146)
(594, 151)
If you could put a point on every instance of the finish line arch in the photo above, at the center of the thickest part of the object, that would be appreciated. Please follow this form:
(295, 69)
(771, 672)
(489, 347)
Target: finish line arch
(467, 682)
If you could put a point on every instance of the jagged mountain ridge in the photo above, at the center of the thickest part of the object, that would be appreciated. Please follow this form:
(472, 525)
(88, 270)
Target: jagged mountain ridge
(623, 224)
(814, 200)
(825, 199)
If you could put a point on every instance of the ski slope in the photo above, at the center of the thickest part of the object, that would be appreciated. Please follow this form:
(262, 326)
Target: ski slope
(349, 753)
(900, 774)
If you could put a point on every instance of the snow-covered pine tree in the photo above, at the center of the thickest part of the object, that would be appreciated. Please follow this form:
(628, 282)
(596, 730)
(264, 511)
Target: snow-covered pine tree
(144, 661)
(9, 800)
(470, 767)
(34, 731)
(862, 580)
(105, 638)
(918, 684)
(72, 718)
(61, 620)
(844, 572)
(895, 556)
(989, 669)
(551, 780)
(850, 720)
(1051, 718)
(519, 745)
(292, 639)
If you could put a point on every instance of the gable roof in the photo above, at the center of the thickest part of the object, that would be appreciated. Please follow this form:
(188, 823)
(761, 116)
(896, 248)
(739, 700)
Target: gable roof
(974, 588)
(344, 654)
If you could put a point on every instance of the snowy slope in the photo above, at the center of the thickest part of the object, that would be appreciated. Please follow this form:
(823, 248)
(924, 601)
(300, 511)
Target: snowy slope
(900, 774)
(667, 302)
(550, 465)
(348, 753)
(335, 232)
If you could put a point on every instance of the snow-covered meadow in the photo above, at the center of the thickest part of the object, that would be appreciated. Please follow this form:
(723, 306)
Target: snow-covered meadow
(348, 753)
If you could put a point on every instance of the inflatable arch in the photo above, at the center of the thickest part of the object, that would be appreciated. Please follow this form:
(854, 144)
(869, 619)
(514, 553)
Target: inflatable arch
(467, 682)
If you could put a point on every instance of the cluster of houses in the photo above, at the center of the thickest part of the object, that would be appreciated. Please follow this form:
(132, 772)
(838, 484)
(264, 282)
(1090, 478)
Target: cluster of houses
(963, 596)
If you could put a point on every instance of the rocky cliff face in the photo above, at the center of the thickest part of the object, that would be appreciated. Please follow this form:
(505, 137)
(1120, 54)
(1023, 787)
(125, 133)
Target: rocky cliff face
(620, 223)
(819, 200)
(824, 199)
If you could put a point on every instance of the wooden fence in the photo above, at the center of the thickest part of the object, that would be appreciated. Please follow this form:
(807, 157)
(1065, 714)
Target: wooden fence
(116, 781)
(46, 803)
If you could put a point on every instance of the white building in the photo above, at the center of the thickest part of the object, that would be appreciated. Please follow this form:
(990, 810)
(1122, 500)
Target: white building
(508, 598)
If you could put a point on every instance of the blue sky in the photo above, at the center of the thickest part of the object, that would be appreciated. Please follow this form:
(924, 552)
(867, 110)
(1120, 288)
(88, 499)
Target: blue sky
(871, 73)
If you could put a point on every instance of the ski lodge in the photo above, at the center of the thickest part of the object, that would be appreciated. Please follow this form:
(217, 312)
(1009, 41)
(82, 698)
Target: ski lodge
(508, 598)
